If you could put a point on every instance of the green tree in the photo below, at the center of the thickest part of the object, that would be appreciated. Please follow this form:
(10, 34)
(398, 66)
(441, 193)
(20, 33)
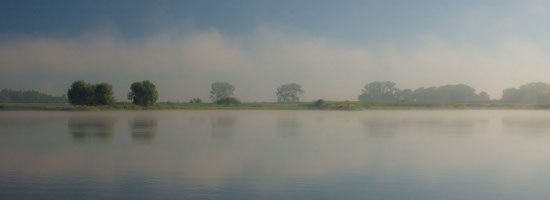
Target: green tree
(380, 91)
(220, 90)
(103, 94)
(143, 93)
(537, 92)
(81, 93)
(289, 93)
(29, 96)
(319, 103)
(228, 101)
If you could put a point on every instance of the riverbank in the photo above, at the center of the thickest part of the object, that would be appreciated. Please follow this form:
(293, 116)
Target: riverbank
(346, 105)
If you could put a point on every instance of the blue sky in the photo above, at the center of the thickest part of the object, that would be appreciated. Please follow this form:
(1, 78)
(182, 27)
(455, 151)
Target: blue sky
(332, 48)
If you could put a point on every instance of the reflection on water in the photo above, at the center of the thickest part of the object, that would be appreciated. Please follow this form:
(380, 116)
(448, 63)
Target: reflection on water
(143, 129)
(223, 126)
(528, 127)
(91, 128)
(380, 128)
(288, 126)
(275, 155)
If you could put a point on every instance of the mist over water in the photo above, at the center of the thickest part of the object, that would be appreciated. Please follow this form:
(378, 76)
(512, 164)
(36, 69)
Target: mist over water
(420, 154)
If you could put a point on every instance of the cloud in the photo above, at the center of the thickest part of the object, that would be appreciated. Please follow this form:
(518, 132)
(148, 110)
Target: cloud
(183, 65)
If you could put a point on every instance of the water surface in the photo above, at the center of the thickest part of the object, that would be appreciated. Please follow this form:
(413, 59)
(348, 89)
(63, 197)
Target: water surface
(445, 154)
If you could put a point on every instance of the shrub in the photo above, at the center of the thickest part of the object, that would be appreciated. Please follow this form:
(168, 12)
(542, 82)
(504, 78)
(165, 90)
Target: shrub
(196, 100)
(228, 101)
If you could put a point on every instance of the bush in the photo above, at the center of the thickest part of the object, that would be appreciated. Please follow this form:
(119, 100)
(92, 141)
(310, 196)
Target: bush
(196, 100)
(319, 103)
(228, 101)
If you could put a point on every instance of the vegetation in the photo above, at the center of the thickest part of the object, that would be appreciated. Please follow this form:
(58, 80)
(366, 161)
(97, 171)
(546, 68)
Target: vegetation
(228, 101)
(532, 93)
(29, 96)
(195, 100)
(82, 93)
(143, 93)
(320, 103)
(221, 90)
(385, 91)
(375, 95)
(327, 105)
(288, 93)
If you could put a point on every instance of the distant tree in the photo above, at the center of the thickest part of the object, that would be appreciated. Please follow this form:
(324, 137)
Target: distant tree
(537, 92)
(29, 96)
(143, 93)
(195, 100)
(221, 90)
(228, 101)
(289, 93)
(319, 103)
(456, 93)
(380, 91)
(81, 93)
(483, 96)
(406, 95)
(103, 94)
(4, 98)
(511, 95)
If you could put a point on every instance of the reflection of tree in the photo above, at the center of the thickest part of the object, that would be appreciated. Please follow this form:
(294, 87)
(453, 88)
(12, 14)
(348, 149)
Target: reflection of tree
(288, 126)
(223, 126)
(143, 129)
(389, 127)
(527, 126)
(86, 128)
(380, 128)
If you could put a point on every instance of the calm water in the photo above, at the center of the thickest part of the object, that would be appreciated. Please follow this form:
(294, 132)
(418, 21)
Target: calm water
(275, 155)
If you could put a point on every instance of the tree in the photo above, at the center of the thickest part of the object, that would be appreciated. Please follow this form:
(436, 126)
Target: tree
(380, 91)
(483, 96)
(228, 101)
(81, 93)
(319, 103)
(195, 100)
(29, 96)
(143, 93)
(288, 93)
(103, 94)
(537, 92)
(220, 90)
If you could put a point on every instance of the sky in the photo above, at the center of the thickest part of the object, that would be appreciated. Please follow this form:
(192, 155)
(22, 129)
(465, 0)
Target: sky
(331, 48)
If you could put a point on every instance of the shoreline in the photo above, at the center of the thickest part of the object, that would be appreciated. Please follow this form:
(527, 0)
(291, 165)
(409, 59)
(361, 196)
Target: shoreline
(348, 105)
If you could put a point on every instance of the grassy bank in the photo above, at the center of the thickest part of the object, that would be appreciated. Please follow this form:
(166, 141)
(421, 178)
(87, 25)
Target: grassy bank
(347, 105)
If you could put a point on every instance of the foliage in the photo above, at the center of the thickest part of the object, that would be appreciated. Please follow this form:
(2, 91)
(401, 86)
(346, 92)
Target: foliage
(221, 90)
(380, 91)
(228, 101)
(29, 96)
(195, 100)
(386, 91)
(288, 93)
(143, 93)
(103, 94)
(320, 103)
(537, 92)
(82, 93)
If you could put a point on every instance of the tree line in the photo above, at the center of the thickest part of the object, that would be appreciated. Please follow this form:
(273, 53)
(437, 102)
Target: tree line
(385, 91)
(29, 96)
(144, 93)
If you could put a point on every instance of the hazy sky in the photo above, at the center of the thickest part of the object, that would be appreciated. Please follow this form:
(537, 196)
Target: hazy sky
(331, 48)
